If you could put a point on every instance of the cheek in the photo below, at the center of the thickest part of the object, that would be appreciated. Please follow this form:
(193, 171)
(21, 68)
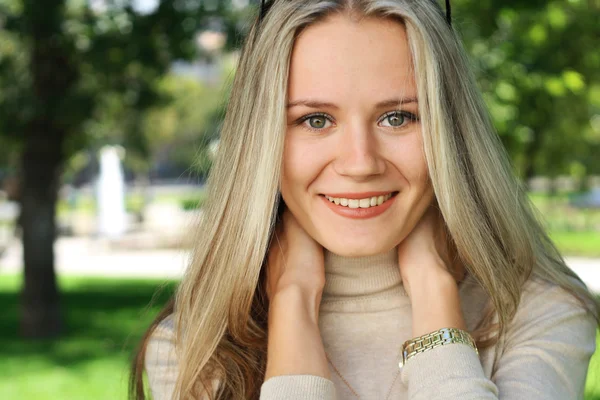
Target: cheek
(303, 160)
(409, 159)
(417, 173)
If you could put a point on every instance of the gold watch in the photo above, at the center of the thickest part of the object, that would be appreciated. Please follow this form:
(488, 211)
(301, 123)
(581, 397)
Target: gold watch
(429, 341)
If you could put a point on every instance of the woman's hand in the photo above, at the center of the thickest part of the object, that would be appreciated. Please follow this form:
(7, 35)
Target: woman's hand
(295, 282)
(294, 259)
(430, 274)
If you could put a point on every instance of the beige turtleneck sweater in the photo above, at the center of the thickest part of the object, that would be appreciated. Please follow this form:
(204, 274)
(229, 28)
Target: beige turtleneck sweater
(365, 316)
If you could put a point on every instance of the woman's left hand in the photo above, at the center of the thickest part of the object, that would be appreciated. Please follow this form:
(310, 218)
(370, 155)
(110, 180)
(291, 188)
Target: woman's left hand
(430, 276)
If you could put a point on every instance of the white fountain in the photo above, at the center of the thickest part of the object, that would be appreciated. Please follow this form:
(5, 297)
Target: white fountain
(111, 193)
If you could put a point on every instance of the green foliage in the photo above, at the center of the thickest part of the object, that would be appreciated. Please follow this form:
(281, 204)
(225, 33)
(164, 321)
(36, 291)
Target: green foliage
(116, 57)
(193, 203)
(537, 64)
(182, 128)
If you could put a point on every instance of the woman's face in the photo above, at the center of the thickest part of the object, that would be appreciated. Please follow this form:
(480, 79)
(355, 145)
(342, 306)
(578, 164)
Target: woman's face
(353, 137)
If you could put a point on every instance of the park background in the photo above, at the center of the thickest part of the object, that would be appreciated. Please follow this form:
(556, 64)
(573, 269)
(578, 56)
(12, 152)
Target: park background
(109, 116)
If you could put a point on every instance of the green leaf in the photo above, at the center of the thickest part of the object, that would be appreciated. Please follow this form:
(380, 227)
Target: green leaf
(574, 81)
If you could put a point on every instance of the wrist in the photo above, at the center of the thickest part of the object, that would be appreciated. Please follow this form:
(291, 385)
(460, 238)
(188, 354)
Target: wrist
(427, 280)
(431, 340)
(436, 304)
(297, 300)
(430, 281)
(295, 346)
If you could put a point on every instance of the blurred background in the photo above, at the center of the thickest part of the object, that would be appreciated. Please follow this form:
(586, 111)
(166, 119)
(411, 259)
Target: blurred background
(109, 117)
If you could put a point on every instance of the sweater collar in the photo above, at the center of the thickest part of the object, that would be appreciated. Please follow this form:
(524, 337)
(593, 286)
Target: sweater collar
(365, 282)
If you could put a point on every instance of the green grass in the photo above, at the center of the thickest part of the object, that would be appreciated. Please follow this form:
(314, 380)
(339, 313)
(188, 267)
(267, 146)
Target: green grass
(105, 320)
(592, 387)
(581, 244)
(575, 232)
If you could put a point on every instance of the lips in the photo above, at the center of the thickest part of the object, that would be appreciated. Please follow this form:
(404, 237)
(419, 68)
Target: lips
(356, 207)
(361, 195)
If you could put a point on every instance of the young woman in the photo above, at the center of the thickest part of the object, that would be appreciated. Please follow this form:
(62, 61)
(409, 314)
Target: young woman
(364, 236)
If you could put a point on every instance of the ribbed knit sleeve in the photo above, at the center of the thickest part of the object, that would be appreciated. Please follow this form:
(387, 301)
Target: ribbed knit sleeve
(298, 387)
(452, 371)
(545, 356)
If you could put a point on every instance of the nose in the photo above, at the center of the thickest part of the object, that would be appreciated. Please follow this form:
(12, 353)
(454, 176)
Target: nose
(358, 153)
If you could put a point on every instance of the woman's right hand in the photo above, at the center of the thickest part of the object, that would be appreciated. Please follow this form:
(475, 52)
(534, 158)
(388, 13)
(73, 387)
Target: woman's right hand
(295, 282)
(294, 259)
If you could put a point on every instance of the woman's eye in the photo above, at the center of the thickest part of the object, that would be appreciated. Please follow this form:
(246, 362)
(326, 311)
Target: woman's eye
(393, 119)
(397, 119)
(316, 122)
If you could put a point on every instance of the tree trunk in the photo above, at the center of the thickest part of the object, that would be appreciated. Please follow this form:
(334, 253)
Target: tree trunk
(40, 312)
(53, 75)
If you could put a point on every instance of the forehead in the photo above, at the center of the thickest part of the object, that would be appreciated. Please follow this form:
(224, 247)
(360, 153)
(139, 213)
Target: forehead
(342, 57)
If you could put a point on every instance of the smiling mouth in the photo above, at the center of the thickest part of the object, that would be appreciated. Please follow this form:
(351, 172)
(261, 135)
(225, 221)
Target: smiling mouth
(367, 202)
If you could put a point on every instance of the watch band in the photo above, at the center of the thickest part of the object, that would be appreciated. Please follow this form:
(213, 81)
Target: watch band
(429, 341)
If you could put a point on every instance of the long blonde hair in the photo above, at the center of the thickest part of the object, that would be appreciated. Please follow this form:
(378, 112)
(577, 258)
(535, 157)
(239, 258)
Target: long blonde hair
(220, 307)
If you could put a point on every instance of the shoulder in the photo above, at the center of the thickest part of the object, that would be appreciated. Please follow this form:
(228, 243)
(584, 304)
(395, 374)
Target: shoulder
(161, 359)
(547, 346)
(547, 308)
(548, 297)
(160, 349)
(162, 362)
(162, 339)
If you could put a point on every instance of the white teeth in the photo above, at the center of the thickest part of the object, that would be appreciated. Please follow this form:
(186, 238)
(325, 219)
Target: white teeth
(362, 203)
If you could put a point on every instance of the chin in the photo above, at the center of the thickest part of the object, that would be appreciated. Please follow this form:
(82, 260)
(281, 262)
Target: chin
(356, 249)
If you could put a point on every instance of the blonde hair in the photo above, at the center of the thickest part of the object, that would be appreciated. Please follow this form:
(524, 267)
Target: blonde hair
(220, 307)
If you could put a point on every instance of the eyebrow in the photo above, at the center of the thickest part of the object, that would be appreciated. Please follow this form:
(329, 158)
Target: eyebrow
(324, 104)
